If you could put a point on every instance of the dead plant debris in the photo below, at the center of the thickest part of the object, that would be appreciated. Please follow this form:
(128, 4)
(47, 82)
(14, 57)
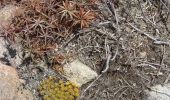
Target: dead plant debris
(126, 41)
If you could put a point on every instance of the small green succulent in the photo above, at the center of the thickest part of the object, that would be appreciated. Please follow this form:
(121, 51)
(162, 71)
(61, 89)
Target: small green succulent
(50, 90)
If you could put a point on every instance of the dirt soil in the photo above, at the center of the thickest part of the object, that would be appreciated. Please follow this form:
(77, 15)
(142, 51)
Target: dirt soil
(127, 44)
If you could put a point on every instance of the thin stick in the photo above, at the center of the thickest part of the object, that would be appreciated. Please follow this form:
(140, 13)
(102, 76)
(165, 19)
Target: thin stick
(82, 95)
(107, 64)
(104, 71)
(165, 5)
(156, 41)
(167, 79)
(144, 33)
(162, 60)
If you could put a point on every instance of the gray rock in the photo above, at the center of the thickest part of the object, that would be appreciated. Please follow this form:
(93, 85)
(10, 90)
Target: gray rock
(6, 15)
(24, 95)
(17, 59)
(2, 47)
(78, 72)
(159, 92)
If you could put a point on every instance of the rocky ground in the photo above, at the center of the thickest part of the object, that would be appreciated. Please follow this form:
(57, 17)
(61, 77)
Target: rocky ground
(123, 54)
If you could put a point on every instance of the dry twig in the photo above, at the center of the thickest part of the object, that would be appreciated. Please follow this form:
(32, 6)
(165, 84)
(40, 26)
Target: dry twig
(156, 41)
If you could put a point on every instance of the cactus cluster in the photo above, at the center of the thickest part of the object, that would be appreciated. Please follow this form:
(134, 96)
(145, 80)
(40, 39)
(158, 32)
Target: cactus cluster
(50, 90)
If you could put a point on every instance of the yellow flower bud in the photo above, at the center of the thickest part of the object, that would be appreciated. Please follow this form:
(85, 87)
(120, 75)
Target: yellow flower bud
(69, 86)
(71, 97)
(76, 95)
(60, 82)
(76, 89)
(67, 83)
(45, 97)
(73, 84)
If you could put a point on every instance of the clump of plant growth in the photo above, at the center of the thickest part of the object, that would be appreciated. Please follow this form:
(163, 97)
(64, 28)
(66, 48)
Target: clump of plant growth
(47, 23)
(50, 90)
(43, 26)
